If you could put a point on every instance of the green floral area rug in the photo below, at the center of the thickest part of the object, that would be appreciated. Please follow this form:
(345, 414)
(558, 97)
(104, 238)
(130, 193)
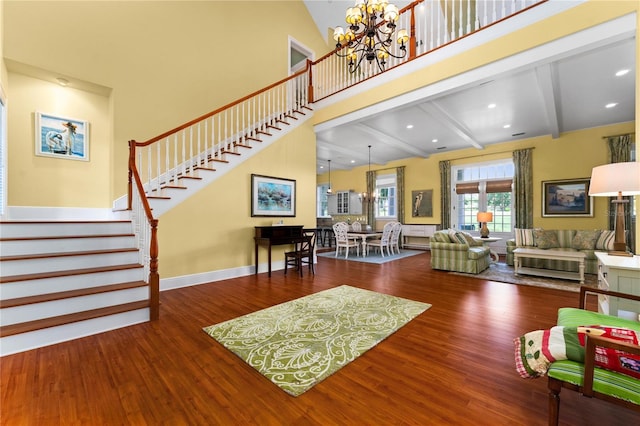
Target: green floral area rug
(298, 344)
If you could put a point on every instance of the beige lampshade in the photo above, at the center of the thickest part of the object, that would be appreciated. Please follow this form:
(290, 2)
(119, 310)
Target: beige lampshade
(485, 217)
(608, 180)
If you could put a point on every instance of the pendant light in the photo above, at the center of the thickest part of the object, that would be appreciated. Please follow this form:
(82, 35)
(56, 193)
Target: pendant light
(329, 191)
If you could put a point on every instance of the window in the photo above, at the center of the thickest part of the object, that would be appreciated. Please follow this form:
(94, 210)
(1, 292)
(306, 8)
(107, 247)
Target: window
(483, 187)
(386, 201)
(322, 200)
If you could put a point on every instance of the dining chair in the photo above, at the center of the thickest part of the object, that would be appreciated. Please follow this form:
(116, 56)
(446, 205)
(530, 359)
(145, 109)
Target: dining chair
(395, 237)
(303, 253)
(356, 227)
(340, 230)
(384, 241)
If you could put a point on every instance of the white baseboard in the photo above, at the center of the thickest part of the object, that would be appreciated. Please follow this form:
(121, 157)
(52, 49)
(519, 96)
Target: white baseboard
(212, 276)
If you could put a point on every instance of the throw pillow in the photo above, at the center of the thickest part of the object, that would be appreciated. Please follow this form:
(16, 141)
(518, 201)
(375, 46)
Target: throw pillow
(546, 239)
(471, 242)
(585, 240)
(605, 240)
(458, 237)
(441, 237)
(524, 237)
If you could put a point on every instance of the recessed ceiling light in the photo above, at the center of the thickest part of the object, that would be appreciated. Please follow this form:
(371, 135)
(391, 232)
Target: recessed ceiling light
(434, 140)
(506, 126)
(409, 126)
(62, 81)
(611, 105)
(322, 167)
(353, 161)
(491, 106)
(622, 72)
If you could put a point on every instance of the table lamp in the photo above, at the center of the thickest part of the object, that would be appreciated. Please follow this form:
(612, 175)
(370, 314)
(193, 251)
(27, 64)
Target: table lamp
(616, 180)
(483, 218)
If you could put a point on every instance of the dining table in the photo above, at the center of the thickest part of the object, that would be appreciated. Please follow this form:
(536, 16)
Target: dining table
(363, 236)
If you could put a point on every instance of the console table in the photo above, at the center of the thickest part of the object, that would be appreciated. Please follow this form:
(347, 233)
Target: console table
(273, 236)
(424, 232)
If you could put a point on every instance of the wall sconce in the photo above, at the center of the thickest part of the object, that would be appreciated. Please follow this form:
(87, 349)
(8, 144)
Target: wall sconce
(483, 218)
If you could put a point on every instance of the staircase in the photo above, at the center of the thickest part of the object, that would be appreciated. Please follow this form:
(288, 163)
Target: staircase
(61, 280)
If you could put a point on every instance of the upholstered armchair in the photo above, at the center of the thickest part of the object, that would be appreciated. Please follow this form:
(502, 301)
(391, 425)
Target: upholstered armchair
(457, 251)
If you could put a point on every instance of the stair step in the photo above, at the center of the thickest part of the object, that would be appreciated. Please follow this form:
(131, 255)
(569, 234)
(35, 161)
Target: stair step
(25, 327)
(21, 301)
(39, 229)
(40, 275)
(64, 254)
(52, 244)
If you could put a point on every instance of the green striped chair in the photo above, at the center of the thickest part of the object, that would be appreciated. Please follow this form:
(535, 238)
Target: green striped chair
(585, 378)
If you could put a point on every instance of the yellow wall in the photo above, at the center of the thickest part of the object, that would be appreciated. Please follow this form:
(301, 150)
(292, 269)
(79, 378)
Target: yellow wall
(164, 60)
(45, 181)
(214, 230)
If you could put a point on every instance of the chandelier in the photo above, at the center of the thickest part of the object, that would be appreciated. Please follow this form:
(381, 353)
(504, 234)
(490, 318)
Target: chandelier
(370, 33)
(364, 197)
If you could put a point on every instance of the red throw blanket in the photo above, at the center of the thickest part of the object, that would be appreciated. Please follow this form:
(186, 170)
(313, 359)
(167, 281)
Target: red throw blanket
(536, 350)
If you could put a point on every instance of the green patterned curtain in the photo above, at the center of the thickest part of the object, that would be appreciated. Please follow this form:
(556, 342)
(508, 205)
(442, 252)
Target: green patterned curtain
(400, 192)
(620, 152)
(445, 194)
(523, 188)
(371, 189)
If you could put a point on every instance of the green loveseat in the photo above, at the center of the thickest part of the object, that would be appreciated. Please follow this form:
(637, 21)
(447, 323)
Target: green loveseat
(457, 251)
(584, 377)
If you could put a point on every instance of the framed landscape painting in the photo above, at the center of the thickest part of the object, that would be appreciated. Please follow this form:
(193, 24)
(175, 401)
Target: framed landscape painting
(566, 198)
(272, 196)
(61, 137)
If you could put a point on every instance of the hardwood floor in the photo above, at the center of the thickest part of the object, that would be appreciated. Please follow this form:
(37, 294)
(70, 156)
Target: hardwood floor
(453, 364)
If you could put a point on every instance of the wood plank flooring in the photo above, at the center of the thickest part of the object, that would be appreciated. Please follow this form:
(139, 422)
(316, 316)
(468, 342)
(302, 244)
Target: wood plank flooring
(452, 365)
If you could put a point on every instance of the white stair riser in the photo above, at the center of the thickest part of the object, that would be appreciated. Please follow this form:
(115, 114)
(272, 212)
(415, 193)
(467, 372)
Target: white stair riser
(36, 311)
(14, 290)
(41, 246)
(50, 336)
(25, 229)
(63, 263)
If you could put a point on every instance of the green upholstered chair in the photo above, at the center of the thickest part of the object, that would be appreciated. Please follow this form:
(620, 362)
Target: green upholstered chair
(586, 378)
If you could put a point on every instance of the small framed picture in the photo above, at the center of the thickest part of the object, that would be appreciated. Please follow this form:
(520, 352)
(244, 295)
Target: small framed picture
(61, 137)
(272, 196)
(566, 198)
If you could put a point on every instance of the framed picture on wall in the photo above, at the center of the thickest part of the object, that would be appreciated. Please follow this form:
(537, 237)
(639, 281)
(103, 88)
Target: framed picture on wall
(272, 196)
(422, 203)
(61, 137)
(566, 198)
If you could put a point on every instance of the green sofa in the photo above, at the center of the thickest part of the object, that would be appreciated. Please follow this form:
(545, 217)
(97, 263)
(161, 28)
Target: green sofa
(586, 241)
(457, 251)
(586, 378)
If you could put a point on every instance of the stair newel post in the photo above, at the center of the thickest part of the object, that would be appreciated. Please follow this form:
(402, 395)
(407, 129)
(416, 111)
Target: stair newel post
(132, 159)
(154, 277)
(310, 83)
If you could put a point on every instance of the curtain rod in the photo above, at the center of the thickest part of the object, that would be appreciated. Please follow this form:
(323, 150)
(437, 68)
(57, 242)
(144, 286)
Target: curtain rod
(621, 134)
(489, 153)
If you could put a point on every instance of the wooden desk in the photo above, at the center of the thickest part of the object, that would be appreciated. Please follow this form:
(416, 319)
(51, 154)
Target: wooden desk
(274, 236)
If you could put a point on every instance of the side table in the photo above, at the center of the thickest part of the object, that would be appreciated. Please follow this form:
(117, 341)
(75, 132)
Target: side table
(486, 242)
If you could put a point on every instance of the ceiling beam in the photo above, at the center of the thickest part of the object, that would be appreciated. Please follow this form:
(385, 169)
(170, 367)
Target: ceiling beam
(392, 141)
(548, 85)
(438, 113)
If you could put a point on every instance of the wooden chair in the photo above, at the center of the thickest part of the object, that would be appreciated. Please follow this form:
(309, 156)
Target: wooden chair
(384, 241)
(303, 253)
(589, 380)
(340, 230)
